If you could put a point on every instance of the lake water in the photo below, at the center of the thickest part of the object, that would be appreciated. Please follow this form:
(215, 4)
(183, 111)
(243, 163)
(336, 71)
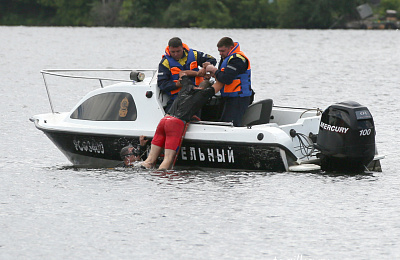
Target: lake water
(49, 210)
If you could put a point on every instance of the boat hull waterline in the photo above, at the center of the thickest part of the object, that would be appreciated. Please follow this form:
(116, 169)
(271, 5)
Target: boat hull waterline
(103, 151)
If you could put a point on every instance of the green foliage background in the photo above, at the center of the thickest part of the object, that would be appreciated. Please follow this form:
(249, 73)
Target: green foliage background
(320, 14)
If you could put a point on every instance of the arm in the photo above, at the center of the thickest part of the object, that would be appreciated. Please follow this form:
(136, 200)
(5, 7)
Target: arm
(203, 60)
(218, 86)
(143, 141)
(235, 67)
(164, 81)
(143, 145)
(185, 80)
(190, 73)
(203, 57)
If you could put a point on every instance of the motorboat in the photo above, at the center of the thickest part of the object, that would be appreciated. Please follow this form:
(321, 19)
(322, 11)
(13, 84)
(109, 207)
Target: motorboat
(274, 138)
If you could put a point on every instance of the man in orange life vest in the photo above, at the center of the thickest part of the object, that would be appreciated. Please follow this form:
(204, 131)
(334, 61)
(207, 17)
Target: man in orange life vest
(178, 56)
(234, 71)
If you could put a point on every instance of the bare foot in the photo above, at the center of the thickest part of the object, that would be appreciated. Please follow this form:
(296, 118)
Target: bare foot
(147, 165)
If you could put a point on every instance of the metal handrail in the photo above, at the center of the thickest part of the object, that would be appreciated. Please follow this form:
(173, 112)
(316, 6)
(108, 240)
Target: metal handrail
(55, 72)
(318, 110)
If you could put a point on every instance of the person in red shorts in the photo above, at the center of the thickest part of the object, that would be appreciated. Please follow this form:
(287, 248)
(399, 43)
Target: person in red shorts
(171, 127)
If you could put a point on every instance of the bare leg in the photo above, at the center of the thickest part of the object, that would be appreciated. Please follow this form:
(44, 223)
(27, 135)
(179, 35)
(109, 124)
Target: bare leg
(153, 155)
(169, 156)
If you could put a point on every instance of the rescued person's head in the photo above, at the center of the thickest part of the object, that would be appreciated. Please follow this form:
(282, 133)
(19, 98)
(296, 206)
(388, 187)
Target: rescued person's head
(205, 84)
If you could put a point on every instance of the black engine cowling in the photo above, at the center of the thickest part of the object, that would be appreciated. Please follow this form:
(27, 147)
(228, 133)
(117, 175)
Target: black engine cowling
(346, 137)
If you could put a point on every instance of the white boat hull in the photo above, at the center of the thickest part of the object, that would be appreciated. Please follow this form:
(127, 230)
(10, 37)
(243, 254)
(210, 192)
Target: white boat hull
(282, 138)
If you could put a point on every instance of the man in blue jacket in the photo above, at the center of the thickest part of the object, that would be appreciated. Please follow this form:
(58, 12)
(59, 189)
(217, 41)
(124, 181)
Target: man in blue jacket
(179, 57)
(235, 72)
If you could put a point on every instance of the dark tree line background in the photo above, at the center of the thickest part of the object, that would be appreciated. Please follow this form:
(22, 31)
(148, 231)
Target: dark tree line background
(319, 14)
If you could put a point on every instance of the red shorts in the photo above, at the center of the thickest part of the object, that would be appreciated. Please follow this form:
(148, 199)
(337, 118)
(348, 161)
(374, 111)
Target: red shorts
(169, 133)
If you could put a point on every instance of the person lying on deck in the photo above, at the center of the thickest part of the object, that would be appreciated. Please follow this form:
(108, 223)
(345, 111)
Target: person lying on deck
(172, 126)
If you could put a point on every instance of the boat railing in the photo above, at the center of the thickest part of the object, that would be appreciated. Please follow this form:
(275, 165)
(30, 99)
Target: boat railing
(68, 73)
(317, 110)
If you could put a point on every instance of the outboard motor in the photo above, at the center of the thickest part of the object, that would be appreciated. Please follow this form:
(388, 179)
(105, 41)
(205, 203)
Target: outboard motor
(346, 137)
